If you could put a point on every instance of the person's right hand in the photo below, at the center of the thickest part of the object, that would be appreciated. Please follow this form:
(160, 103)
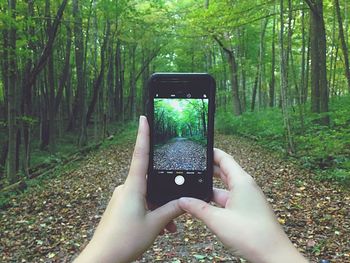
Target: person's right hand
(244, 222)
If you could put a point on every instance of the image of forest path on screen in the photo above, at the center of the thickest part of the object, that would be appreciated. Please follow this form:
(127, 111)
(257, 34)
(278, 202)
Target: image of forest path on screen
(180, 134)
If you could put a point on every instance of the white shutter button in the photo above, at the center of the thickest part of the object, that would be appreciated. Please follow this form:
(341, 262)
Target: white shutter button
(179, 180)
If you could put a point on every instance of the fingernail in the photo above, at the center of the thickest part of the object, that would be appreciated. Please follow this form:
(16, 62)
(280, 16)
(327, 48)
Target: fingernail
(184, 201)
(141, 120)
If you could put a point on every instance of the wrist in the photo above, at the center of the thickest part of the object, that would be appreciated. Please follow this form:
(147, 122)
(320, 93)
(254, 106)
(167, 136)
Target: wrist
(98, 251)
(282, 251)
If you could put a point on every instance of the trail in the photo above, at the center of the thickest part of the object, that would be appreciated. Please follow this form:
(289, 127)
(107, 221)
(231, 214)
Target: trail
(54, 222)
(180, 154)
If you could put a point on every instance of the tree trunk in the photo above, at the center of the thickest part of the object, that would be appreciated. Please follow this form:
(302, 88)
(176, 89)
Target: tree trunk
(133, 82)
(5, 64)
(273, 64)
(41, 62)
(319, 88)
(79, 57)
(65, 71)
(122, 81)
(237, 108)
(284, 85)
(12, 100)
(303, 57)
(261, 65)
(255, 88)
(3, 157)
(343, 43)
(27, 94)
(111, 84)
(119, 82)
(145, 76)
(98, 81)
(51, 82)
(224, 81)
(334, 79)
(242, 55)
(307, 71)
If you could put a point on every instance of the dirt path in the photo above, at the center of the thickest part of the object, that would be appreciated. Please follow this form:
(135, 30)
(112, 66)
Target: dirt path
(54, 222)
(180, 154)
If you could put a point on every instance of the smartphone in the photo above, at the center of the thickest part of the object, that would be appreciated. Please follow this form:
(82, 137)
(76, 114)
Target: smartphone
(181, 117)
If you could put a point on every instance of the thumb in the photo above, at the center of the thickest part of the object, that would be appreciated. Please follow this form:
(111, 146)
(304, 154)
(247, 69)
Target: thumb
(164, 214)
(199, 209)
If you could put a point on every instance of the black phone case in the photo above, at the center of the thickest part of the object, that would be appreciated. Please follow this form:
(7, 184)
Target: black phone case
(162, 188)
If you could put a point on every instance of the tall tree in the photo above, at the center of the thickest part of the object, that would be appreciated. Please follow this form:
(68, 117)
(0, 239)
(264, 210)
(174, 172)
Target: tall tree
(231, 57)
(98, 80)
(273, 63)
(284, 83)
(319, 87)
(79, 62)
(343, 43)
(52, 85)
(12, 91)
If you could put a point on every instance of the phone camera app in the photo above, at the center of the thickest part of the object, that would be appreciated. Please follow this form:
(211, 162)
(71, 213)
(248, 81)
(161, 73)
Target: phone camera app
(181, 130)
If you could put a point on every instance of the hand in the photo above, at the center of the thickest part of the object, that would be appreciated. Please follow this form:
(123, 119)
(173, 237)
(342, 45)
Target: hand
(127, 228)
(244, 222)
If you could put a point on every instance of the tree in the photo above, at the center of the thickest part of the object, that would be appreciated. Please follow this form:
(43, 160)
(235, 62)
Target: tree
(284, 83)
(79, 62)
(343, 43)
(319, 87)
(237, 108)
(12, 91)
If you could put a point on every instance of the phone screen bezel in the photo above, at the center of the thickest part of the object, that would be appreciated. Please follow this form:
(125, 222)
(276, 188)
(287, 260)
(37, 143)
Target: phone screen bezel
(162, 189)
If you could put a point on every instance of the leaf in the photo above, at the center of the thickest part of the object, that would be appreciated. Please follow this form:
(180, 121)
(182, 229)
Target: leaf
(281, 221)
(199, 257)
(51, 255)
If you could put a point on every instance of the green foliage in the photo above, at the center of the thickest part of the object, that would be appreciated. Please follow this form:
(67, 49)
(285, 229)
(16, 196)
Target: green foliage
(264, 126)
(185, 118)
(326, 150)
(126, 133)
(28, 120)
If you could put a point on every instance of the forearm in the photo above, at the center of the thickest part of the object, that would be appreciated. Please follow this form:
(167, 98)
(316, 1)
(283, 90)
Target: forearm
(282, 251)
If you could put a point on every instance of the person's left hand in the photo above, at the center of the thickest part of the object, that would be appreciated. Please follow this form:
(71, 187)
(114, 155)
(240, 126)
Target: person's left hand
(127, 227)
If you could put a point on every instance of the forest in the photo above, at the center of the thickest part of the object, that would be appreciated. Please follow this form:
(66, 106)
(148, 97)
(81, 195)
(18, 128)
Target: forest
(185, 118)
(72, 69)
(73, 81)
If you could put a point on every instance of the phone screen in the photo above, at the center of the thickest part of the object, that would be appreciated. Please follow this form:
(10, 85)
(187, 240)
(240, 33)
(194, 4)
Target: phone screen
(180, 135)
(181, 115)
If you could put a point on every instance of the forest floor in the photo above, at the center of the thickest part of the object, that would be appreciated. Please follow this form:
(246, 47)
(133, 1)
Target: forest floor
(54, 221)
(180, 154)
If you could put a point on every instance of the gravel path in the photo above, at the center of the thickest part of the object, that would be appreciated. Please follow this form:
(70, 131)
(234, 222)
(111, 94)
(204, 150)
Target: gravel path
(180, 154)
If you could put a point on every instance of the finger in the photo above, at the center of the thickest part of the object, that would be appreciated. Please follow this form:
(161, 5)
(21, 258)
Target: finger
(139, 163)
(171, 227)
(161, 216)
(220, 196)
(229, 167)
(199, 209)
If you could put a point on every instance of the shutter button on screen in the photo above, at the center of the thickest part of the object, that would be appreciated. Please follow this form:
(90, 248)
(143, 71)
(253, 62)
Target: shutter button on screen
(179, 180)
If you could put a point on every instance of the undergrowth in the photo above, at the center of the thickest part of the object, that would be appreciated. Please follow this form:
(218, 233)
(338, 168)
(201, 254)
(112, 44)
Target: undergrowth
(323, 149)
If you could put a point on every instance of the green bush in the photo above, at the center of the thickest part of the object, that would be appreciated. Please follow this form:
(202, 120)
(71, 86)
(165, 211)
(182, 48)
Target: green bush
(264, 126)
(325, 149)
